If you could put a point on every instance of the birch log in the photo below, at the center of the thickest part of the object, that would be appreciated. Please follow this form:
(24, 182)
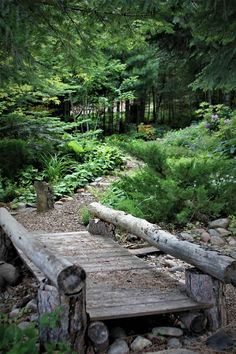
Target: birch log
(68, 278)
(209, 261)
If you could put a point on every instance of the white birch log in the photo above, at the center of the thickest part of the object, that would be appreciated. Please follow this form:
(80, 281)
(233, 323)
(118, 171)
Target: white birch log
(209, 261)
(68, 278)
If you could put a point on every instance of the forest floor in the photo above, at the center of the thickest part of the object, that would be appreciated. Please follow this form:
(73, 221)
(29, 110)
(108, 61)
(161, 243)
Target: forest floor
(66, 217)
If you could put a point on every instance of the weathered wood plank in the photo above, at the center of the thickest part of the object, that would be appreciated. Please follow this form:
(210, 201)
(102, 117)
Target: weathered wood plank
(125, 311)
(144, 251)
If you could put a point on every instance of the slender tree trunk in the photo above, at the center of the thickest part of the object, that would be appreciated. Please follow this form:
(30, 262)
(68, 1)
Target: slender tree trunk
(110, 119)
(118, 116)
(154, 112)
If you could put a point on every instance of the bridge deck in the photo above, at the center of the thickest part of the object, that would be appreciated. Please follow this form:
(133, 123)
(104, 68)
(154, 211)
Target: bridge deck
(119, 284)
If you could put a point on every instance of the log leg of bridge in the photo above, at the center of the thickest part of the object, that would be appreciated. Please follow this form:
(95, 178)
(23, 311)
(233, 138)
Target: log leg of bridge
(69, 314)
(119, 284)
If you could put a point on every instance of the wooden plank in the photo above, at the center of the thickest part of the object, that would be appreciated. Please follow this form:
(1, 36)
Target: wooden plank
(144, 251)
(126, 311)
(120, 297)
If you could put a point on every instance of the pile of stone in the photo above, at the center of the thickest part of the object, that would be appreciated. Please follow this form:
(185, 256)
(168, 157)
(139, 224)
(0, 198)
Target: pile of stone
(217, 233)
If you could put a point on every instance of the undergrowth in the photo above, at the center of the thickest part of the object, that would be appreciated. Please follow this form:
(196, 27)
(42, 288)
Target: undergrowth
(190, 175)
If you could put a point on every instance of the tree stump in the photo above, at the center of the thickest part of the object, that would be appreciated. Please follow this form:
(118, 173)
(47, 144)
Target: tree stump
(205, 289)
(45, 198)
(100, 227)
(67, 318)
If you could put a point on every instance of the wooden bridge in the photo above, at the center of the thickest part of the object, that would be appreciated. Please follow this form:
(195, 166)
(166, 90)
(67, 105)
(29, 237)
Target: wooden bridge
(93, 274)
(118, 283)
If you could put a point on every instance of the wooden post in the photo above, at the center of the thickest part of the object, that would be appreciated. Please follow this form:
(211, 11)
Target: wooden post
(45, 198)
(99, 336)
(195, 322)
(68, 292)
(66, 318)
(99, 227)
(208, 290)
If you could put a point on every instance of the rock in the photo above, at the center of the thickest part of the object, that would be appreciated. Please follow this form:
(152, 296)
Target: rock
(24, 325)
(14, 313)
(34, 317)
(167, 331)
(174, 343)
(176, 269)
(98, 179)
(9, 273)
(66, 199)
(117, 332)
(220, 341)
(140, 343)
(213, 233)
(218, 241)
(118, 347)
(222, 232)
(32, 305)
(205, 237)
(231, 241)
(21, 206)
(59, 202)
(224, 223)
(169, 263)
(80, 190)
(174, 351)
(187, 236)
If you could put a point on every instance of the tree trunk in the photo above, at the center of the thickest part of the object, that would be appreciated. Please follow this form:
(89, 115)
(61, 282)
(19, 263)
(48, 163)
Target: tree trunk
(45, 198)
(212, 262)
(208, 290)
(65, 316)
(68, 278)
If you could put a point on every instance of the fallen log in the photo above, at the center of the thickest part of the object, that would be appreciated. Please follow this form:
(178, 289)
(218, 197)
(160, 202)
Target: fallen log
(68, 278)
(209, 261)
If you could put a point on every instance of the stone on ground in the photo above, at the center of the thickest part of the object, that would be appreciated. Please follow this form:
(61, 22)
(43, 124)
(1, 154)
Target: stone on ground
(167, 331)
(174, 343)
(174, 351)
(140, 343)
(220, 341)
(224, 223)
(118, 347)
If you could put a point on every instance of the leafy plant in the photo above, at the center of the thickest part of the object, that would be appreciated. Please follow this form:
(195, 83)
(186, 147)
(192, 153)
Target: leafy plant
(56, 166)
(85, 215)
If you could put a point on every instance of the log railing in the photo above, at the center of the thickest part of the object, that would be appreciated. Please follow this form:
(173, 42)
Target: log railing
(218, 265)
(205, 283)
(67, 288)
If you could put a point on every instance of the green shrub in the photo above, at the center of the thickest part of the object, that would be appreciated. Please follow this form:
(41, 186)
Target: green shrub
(85, 215)
(55, 166)
(15, 154)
